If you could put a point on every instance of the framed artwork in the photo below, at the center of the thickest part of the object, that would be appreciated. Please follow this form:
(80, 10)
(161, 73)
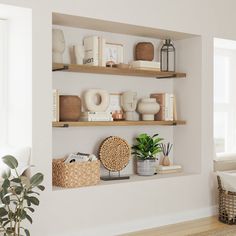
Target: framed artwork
(115, 106)
(114, 53)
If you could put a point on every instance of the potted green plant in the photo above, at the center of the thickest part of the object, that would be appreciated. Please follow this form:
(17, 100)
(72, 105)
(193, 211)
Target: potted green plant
(146, 150)
(17, 197)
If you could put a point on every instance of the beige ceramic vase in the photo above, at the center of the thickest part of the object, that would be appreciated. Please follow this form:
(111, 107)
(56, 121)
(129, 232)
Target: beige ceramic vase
(166, 161)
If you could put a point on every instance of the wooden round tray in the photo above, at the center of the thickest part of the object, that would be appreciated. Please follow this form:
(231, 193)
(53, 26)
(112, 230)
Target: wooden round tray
(114, 153)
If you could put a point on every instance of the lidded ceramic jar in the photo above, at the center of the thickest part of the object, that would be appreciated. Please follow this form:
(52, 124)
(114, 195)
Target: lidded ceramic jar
(148, 107)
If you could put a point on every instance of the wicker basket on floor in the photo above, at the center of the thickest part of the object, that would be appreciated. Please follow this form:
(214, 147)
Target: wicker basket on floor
(227, 205)
(73, 175)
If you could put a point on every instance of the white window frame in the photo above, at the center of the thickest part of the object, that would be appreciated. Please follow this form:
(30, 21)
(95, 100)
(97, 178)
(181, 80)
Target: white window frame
(228, 107)
(3, 82)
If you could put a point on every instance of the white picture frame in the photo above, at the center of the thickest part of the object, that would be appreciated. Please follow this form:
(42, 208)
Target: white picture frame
(115, 102)
(114, 53)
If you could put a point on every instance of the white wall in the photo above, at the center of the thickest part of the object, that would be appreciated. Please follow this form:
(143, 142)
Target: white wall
(113, 209)
(18, 65)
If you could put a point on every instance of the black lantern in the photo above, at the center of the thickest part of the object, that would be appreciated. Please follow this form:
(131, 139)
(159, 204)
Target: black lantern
(168, 56)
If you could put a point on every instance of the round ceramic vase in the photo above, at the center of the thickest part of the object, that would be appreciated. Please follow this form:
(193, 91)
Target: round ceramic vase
(148, 107)
(70, 108)
(146, 167)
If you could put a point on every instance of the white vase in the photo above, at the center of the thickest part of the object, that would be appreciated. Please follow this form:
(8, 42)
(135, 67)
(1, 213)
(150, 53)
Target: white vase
(148, 107)
(58, 45)
(92, 95)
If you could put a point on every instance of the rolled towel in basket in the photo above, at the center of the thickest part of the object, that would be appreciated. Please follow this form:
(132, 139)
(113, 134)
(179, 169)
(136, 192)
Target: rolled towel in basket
(228, 182)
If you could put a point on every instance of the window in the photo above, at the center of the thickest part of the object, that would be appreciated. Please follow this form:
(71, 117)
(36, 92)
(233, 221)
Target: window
(225, 96)
(3, 82)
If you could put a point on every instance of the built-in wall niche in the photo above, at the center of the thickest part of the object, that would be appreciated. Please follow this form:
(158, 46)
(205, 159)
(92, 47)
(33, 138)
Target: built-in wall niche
(186, 138)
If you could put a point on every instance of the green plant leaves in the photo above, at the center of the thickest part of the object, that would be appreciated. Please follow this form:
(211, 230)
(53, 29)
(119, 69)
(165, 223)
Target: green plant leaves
(6, 183)
(36, 179)
(27, 233)
(17, 194)
(3, 212)
(147, 146)
(29, 219)
(6, 174)
(33, 200)
(30, 208)
(10, 161)
(16, 180)
(41, 187)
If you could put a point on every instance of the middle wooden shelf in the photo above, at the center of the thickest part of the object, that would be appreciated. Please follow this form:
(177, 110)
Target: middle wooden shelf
(116, 71)
(116, 123)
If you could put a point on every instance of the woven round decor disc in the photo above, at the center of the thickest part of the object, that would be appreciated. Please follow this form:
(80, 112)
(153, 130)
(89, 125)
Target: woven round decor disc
(114, 153)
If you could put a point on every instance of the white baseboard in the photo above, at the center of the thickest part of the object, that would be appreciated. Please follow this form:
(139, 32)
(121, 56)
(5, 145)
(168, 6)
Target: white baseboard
(146, 223)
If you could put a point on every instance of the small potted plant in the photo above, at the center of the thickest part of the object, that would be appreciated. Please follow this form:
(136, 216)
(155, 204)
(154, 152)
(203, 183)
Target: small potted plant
(146, 150)
(18, 195)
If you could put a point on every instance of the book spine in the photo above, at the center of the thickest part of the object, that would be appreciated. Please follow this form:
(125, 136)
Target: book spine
(171, 107)
(166, 107)
(175, 109)
(55, 105)
(96, 119)
(169, 171)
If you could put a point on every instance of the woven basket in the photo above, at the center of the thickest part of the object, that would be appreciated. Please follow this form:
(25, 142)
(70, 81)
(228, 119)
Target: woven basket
(227, 205)
(73, 175)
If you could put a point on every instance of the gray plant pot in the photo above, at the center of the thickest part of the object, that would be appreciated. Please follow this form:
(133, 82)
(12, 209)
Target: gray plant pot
(146, 167)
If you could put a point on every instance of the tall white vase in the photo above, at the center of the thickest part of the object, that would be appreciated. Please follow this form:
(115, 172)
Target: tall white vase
(58, 45)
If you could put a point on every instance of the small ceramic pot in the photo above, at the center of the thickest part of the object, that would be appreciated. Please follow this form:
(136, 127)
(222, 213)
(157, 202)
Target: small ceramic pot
(70, 108)
(148, 107)
(166, 161)
(146, 167)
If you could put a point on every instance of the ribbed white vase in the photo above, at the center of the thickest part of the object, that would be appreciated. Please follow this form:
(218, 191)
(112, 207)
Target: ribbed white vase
(148, 107)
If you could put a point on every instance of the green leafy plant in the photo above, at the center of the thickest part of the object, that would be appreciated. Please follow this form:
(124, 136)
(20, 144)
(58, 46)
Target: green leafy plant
(147, 147)
(17, 197)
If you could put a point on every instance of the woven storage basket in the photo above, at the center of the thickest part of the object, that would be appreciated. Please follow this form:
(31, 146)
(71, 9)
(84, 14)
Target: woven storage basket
(73, 175)
(227, 205)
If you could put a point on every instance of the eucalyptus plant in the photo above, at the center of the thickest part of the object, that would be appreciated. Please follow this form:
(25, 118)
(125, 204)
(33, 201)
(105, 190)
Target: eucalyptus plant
(147, 147)
(18, 195)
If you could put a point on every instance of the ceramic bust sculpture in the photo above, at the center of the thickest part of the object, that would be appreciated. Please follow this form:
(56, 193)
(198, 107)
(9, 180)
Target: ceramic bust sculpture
(129, 104)
(92, 95)
(58, 45)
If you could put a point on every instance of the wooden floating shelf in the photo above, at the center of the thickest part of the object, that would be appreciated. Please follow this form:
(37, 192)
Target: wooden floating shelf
(116, 71)
(117, 123)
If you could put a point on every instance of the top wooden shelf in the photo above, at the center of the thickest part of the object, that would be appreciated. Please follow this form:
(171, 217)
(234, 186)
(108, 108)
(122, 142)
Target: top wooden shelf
(116, 71)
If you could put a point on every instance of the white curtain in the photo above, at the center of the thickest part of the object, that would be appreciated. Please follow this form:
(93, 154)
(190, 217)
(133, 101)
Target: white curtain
(3, 82)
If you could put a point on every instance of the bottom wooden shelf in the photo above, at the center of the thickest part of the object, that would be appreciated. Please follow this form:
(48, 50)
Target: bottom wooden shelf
(133, 178)
(116, 123)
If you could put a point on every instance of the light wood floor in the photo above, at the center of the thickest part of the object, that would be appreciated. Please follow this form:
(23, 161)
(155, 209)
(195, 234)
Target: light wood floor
(182, 229)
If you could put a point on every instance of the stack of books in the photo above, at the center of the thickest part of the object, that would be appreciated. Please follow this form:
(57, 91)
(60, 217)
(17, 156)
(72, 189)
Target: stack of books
(55, 105)
(167, 104)
(169, 169)
(146, 65)
(96, 116)
(94, 51)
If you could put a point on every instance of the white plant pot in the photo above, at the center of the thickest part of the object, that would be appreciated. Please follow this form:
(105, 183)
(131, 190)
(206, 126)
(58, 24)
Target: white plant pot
(146, 167)
(148, 107)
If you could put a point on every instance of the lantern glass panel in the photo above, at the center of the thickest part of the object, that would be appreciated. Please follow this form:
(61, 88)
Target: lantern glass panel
(168, 56)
